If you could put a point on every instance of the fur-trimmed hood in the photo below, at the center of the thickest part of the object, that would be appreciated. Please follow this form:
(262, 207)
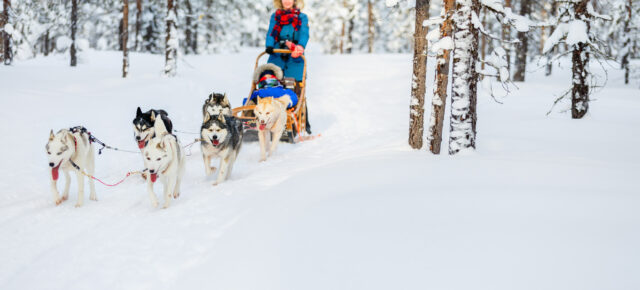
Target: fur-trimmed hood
(298, 4)
(264, 67)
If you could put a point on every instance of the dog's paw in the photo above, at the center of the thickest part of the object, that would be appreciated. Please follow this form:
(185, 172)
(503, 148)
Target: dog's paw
(58, 201)
(93, 198)
(78, 204)
(215, 183)
(154, 204)
(212, 169)
(263, 159)
(176, 195)
(65, 197)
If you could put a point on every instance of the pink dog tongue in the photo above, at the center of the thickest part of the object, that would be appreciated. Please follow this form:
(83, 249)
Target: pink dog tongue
(154, 176)
(216, 142)
(262, 126)
(54, 172)
(141, 144)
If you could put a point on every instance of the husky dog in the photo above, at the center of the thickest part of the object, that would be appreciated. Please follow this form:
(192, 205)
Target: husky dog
(221, 137)
(163, 158)
(143, 125)
(216, 104)
(71, 150)
(271, 116)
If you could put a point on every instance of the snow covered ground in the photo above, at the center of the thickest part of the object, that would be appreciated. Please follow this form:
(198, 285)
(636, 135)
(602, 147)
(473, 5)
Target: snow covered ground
(546, 202)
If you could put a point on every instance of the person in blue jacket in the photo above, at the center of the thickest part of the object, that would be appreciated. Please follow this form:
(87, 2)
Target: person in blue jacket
(289, 29)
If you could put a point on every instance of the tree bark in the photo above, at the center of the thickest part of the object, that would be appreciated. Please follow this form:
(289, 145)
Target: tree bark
(627, 42)
(125, 38)
(580, 60)
(439, 100)
(6, 37)
(465, 78)
(74, 26)
(483, 39)
(506, 36)
(138, 24)
(350, 35)
(553, 13)
(188, 32)
(371, 29)
(418, 87)
(171, 43)
(521, 56)
(46, 43)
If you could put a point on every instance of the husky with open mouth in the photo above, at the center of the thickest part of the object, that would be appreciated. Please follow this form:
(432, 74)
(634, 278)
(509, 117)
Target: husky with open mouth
(71, 150)
(163, 159)
(221, 137)
(143, 125)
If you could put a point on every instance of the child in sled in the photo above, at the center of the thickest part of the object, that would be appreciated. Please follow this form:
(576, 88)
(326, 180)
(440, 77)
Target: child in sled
(267, 79)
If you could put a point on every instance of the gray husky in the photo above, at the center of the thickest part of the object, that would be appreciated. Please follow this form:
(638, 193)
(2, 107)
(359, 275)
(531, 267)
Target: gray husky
(221, 137)
(216, 104)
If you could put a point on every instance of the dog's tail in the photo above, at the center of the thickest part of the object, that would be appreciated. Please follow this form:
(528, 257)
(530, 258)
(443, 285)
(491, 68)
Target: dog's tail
(285, 100)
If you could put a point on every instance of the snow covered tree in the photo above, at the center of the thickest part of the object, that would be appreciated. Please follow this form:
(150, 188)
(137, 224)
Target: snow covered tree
(630, 29)
(125, 38)
(371, 25)
(575, 18)
(418, 86)
(138, 39)
(522, 46)
(462, 134)
(5, 33)
(74, 28)
(171, 43)
(443, 50)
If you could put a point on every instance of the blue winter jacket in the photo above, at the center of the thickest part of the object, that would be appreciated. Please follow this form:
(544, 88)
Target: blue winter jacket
(275, 92)
(292, 67)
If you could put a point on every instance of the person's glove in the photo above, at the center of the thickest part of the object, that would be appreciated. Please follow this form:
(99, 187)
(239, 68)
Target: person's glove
(297, 51)
(290, 45)
(269, 50)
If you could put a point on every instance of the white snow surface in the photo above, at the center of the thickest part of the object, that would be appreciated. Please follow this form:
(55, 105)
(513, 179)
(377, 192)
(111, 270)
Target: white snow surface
(545, 202)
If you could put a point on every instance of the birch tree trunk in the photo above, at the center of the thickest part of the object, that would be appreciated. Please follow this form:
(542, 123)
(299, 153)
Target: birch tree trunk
(523, 40)
(74, 26)
(439, 100)
(553, 13)
(580, 60)
(418, 86)
(171, 44)
(7, 51)
(125, 38)
(138, 23)
(465, 77)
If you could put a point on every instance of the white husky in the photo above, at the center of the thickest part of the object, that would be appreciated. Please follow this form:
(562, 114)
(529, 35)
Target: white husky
(71, 150)
(271, 116)
(163, 157)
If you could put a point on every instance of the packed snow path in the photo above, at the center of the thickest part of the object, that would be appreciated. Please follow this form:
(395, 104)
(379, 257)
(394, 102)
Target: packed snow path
(545, 202)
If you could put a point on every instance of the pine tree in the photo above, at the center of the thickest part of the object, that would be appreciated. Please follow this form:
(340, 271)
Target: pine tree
(74, 27)
(171, 43)
(522, 47)
(138, 24)
(125, 38)
(5, 23)
(438, 103)
(464, 78)
(418, 86)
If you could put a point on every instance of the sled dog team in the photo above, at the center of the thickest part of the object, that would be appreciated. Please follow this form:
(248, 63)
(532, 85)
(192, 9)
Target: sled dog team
(220, 137)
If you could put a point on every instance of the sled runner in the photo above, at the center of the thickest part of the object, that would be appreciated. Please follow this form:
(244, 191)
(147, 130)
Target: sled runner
(296, 116)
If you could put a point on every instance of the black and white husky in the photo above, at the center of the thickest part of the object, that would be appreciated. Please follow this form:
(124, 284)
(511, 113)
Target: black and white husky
(71, 150)
(216, 104)
(164, 159)
(221, 137)
(143, 125)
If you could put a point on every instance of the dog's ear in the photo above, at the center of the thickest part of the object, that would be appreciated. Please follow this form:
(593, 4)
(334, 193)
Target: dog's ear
(225, 100)
(51, 136)
(153, 116)
(259, 99)
(160, 145)
(222, 119)
(70, 137)
(212, 97)
(138, 113)
(159, 127)
(206, 117)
